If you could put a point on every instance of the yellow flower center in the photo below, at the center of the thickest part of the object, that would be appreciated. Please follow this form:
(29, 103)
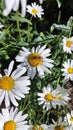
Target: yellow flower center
(59, 127)
(71, 119)
(6, 83)
(70, 70)
(34, 11)
(9, 125)
(36, 127)
(49, 97)
(40, 128)
(68, 43)
(35, 59)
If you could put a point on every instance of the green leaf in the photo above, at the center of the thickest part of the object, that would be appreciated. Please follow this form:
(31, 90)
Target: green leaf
(59, 27)
(21, 19)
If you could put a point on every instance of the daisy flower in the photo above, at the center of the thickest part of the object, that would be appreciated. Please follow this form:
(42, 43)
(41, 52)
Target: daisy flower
(60, 125)
(14, 5)
(13, 85)
(68, 45)
(35, 60)
(63, 95)
(13, 120)
(53, 97)
(38, 127)
(68, 69)
(69, 119)
(35, 10)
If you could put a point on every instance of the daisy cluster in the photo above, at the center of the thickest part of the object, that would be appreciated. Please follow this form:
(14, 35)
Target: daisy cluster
(68, 65)
(33, 65)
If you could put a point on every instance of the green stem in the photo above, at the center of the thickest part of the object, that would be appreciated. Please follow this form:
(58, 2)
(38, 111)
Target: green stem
(59, 16)
(18, 26)
(44, 113)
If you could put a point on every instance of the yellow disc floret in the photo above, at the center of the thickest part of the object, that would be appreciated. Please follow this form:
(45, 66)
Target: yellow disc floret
(35, 59)
(49, 97)
(68, 43)
(9, 125)
(35, 127)
(71, 119)
(34, 11)
(70, 70)
(59, 127)
(6, 83)
(40, 128)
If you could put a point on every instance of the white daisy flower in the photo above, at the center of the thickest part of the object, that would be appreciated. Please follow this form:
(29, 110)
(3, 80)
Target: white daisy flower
(35, 60)
(13, 85)
(38, 127)
(60, 125)
(68, 69)
(63, 95)
(68, 45)
(13, 120)
(14, 5)
(35, 10)
(69, 118)
(53, 97)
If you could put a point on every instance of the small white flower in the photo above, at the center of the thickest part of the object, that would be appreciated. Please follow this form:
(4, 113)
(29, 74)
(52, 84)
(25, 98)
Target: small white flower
(37, 59)
(60, 125)
(13, 85)
(35, 10)
(38, 127)
(63, 95)
(68, 45)
(68, 69)
(69, 118)
(53, 97)
(13, 120)
(14, 5)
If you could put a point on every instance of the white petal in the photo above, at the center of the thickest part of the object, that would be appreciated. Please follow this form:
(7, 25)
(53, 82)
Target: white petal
(40, 72)
(31, 72)
(25, 50)
(2, 96)
(9, 5)
(46, 52)
(12, 98)
(42, 49)
(45, 69)
(18, 116)
(23, 117)
(20, 72)
(10, 67)
(18, 93)
(23, 4)
(13, 113)
(7, 101)
(16, 5)
(5, 113)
